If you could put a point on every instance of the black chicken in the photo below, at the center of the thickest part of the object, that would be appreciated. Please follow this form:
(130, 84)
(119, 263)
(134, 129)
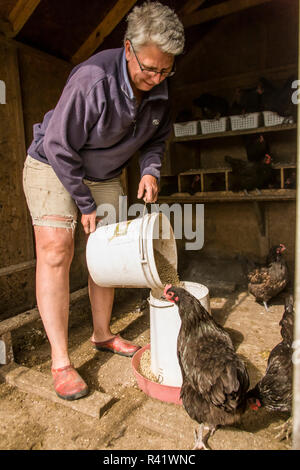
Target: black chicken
(246, 101)
(215, 379)
(266, 281)
(274, 390)
(256, 147)
(247, 175)
(278, 99)
(212, 107)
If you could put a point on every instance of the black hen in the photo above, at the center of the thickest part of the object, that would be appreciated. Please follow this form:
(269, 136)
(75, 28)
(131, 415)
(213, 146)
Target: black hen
(215, 379)
(212, 107)
(246, 101)
(247, 175)
(265, 282)
(274, 390)
(278, 99)
(256, 147)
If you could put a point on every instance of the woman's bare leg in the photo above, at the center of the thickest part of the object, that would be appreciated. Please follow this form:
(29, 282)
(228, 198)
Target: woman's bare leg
(54, 249)
(101, 299)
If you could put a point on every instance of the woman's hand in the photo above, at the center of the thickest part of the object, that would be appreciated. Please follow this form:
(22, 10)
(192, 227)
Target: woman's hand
(89, 222)
(148, 188)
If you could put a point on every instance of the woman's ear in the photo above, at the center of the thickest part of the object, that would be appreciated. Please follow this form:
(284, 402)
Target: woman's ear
(127, 49)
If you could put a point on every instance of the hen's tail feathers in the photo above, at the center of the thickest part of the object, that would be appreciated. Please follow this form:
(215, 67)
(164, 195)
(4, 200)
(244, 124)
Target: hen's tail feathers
(247, 265)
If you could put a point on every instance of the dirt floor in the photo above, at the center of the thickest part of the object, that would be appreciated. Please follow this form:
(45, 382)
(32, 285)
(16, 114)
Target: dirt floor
(136, 421)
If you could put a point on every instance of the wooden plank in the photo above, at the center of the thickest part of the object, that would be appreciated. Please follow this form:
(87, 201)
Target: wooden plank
(5, 27)
(22, 319)
(16, 241)
(190, 6)
(95, 404)
(219, 11)
(18, 140)
(21, 14)
(198, 171)
(202, 182)
(226, 181)
(17, 267)
(106, 26)
(277, 195)
(284, 165)
(35, 52)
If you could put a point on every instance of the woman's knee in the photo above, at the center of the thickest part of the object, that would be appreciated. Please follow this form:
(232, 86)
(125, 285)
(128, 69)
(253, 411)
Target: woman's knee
(55, 246)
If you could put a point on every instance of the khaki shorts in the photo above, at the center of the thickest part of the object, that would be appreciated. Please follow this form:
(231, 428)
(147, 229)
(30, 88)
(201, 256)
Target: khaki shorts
(46, 196)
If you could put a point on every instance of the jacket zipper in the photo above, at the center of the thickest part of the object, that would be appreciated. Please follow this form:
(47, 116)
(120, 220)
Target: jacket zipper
(134, 127)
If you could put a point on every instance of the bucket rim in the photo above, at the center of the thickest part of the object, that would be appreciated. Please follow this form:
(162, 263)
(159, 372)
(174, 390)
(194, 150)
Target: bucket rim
(185, 284)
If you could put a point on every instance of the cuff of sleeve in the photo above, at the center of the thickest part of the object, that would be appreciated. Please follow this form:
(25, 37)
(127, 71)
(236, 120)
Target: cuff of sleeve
(151, 171)
(88, 210)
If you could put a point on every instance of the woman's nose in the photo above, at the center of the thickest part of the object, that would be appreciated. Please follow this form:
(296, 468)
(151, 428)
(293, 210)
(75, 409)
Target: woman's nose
(158, 78)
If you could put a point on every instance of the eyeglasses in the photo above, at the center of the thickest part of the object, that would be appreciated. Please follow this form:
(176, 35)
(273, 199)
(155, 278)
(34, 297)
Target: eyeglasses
(152, 72)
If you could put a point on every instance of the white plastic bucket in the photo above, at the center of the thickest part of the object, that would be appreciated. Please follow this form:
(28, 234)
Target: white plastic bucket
(165, 324)
(123, 254)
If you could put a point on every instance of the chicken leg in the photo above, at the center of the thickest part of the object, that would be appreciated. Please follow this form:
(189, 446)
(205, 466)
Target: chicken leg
(200, 442)
(286, 430)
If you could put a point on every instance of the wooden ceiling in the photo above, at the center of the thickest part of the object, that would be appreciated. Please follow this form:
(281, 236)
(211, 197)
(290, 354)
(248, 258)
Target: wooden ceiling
(75, 29)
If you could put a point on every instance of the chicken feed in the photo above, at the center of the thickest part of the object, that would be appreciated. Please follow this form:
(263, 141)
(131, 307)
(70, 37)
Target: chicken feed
(166, 272)
(145, 366)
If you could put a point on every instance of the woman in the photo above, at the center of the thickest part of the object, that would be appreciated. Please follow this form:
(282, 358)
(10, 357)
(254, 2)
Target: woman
(113, 104)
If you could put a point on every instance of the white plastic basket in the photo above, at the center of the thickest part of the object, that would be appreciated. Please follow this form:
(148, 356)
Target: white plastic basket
(209, 126)
(186, 128)
(272, 119)
(247, 121)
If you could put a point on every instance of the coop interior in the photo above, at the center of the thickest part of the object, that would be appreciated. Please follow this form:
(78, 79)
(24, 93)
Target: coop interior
(233, 149)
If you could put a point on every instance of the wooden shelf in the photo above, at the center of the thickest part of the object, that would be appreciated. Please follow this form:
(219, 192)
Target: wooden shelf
(257, 130)
(230, 196)
(226, 170)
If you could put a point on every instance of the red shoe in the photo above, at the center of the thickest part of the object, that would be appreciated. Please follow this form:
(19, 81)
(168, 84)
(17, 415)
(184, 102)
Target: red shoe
(117, 345)
(68, 384)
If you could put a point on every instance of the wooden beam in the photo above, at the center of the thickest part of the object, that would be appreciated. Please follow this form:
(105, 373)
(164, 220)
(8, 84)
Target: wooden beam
(21, 13)
(15, 268)
(22, 319)
(33, 51)
(38, 384)
(15, 134)
(106, 26)
(190, 6)
(220, 10)
(5, 27)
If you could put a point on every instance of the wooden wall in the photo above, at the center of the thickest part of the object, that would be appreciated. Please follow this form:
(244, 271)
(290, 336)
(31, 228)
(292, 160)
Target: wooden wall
(34, 81)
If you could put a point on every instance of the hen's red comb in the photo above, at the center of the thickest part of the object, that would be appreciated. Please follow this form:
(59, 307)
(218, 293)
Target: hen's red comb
(167, 288)
(256, 405)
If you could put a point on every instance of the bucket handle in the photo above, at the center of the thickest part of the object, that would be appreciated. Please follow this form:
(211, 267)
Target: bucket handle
(157, 306)
(141, 245)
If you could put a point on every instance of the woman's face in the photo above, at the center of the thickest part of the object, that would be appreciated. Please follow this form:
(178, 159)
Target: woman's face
(151, 57)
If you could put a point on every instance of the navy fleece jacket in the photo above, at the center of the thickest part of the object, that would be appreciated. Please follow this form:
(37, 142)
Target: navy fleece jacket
(97, 126)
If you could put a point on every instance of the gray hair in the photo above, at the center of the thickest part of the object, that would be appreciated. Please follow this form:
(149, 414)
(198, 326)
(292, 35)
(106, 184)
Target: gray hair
(155, 23)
